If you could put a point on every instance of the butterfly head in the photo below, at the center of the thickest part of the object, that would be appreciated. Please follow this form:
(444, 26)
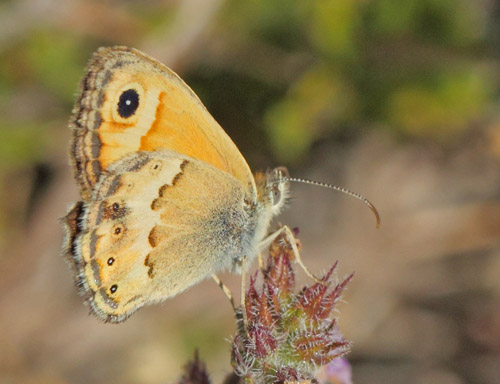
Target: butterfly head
(274, 189)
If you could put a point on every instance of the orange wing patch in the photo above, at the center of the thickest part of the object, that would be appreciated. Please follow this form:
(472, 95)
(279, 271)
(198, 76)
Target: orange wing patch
(181, 132)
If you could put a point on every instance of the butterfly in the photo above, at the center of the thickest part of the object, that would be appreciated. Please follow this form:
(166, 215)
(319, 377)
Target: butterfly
(167, 199)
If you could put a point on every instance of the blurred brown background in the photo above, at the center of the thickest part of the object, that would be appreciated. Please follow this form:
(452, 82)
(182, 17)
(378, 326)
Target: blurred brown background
(397, 100)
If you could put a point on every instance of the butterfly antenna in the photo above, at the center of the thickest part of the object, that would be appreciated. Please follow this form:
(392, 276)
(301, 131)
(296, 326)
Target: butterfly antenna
(340, 189)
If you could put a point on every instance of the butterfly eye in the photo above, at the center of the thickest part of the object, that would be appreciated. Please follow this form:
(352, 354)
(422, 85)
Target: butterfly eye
(111, 260)
(276, 195)
(128, 103)
(113, 288)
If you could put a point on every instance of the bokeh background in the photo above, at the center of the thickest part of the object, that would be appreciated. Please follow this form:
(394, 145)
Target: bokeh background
(398, 100)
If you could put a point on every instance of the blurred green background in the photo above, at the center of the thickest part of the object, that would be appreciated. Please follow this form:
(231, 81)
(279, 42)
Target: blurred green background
(398, 100)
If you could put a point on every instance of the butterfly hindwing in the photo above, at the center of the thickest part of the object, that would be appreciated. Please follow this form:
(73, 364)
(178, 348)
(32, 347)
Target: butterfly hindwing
(156, 224)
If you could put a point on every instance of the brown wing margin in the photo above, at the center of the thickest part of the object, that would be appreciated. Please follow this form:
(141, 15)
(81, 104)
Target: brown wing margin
(86, 119)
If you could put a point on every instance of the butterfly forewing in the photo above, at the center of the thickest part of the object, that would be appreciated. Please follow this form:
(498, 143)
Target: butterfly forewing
(131, 102)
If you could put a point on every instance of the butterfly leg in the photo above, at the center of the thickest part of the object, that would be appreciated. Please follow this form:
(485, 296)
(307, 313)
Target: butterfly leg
(243, 292)
(225, 289)
(290, 238)
(298, 259)
(261, 261)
